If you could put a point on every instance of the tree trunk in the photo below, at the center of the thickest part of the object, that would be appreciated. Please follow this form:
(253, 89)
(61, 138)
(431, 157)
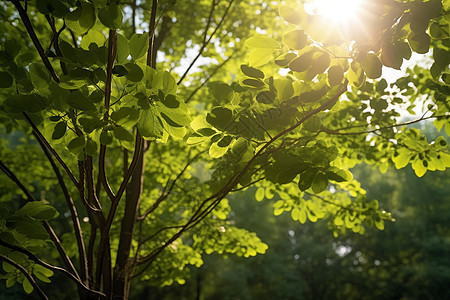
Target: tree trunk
(132, 200)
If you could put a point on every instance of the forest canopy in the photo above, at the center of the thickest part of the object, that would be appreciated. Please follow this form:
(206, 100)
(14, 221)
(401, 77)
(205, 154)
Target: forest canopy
(127, 124)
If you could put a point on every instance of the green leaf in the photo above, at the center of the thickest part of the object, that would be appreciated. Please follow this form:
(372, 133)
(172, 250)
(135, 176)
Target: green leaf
(320, 182)
(27, 287)
(38, 210)
(295, 39)
(25, 103)
(306, 179)
(259, 195)
(76, 145)
(266, 97)
(220, 117)
(221, 91)
(91, 147)
(111, 16)
(6, 80)
(123, 135)
(391, 57)
(40, 77)
(336, 174)
(419, 42)
(372, 66)
(216, 151)
(125, 116)
(302, 63)
(138, 45)
(252, 72)
(106, 137)
(253, 82)
(78, 100)
(291, 15)
(149, 125)
(81, 19)
(94, 37)
(284, 59)
(134, 72)
(119, 71)
(335, 75)
(260, 56)
(262, 42)
(284, 88)
(60, 130)
(356, 74)
(123, 49)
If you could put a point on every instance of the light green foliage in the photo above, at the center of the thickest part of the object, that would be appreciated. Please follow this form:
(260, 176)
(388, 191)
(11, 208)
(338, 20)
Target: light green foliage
(287, 123)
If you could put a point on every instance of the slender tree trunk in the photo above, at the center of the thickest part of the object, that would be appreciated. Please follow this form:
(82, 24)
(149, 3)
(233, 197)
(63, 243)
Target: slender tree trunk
(132, 201)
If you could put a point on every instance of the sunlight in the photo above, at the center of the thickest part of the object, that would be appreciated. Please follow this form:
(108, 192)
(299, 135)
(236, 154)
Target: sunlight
(342, 11)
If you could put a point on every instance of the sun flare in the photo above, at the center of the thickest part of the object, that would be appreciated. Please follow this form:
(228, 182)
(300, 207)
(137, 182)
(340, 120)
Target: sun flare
(342, 11)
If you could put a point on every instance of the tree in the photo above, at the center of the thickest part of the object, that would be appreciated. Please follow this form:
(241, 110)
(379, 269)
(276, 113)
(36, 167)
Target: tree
(145, 158)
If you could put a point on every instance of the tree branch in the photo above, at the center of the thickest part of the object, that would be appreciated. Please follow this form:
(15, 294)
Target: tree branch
(205, 43)
(46, 225)
(42, 263)
(166, 192)
(209, 77)
(27, 275)
(26, 21)
(40, 137)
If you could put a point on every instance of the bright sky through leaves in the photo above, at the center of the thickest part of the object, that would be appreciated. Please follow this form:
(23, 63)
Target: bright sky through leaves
(342, 11)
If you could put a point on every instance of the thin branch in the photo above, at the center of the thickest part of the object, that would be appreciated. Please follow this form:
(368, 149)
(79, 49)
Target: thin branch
(42, 263)
(166, 192)
(27, 275)
(69, 200)
(213, 6)
(26, 21)
(339, 131)
(46, 225)
(54, 41)
(209, 77)
(150, 60)
(230, 3)
(50, 148)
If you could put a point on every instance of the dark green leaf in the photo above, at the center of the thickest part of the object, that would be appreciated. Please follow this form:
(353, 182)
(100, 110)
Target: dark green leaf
(320, 182)
(111, 16)
(79, 101)
(134, 72)
(39, 76)
(372, 66)
(119, 71)
(25, 103)
(253, 82)
(265, 97)
(38, 210)
(419, 42)
(106, 138)
(6, 80)
(252, 72)
(220, 117)
(60, 130)
(123, 135)
(306, 179)
(335, 75)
